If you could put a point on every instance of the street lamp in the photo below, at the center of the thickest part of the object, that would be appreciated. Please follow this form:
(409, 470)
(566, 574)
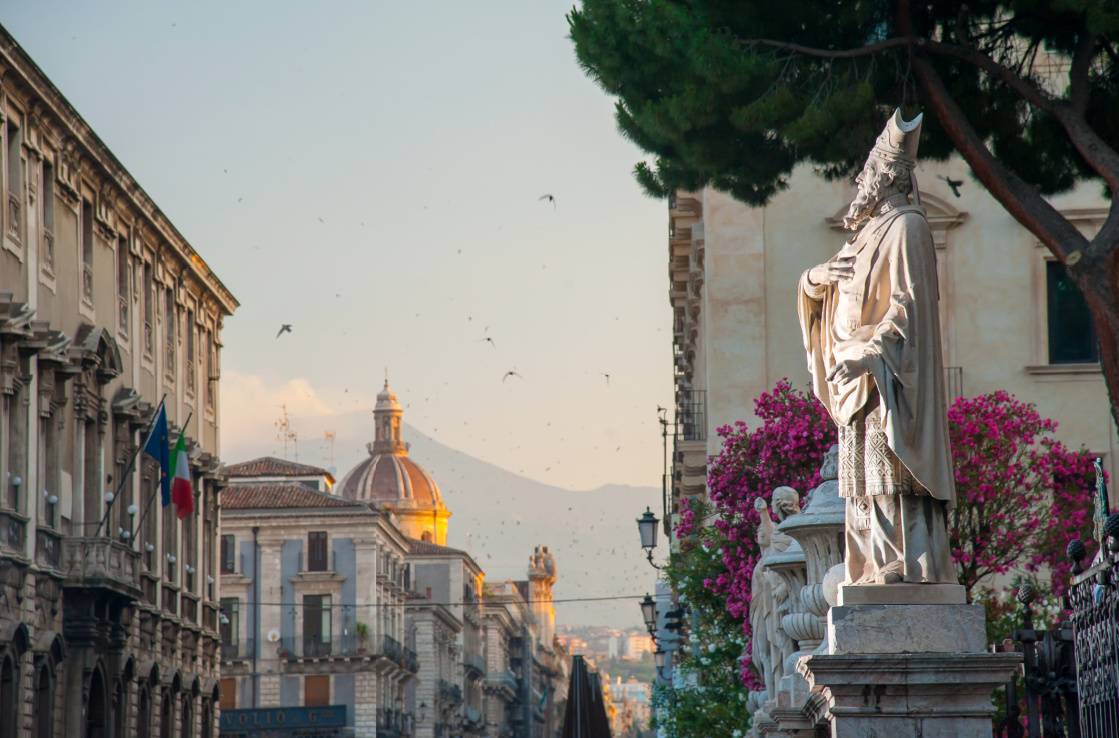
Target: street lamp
(647, 527)
(659, 659)
(649, 613)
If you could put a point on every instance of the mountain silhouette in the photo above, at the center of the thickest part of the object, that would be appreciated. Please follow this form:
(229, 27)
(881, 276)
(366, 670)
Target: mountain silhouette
(498, 517)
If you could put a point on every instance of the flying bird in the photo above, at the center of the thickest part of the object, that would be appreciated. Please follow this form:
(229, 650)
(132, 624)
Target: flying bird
(490, 341)
(548, 198)
(511, 373)
(607, 377)
(953, 184)
(284, 328)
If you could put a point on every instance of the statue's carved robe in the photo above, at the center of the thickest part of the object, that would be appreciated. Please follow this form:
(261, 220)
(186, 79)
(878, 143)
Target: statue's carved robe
(887, 311)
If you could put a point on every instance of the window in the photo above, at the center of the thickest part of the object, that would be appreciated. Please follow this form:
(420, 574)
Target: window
(316, 690)
(47, 253)
(210, 376)
(1072, 337)
(316, 625)
(231, 622)
(228, 697)
(149, 307)
(189, 369)
(44, 703)
(170, 546)
(228, 554)
(124, 291)
(169, 332)
(87, 250)
(15, 181)
(316, 551)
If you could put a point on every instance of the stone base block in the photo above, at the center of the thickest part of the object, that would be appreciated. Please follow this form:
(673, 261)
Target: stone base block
(914, 695)
(900, 629)
(902, 594)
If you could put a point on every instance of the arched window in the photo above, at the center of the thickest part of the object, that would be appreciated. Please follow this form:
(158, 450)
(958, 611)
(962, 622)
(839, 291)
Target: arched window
(96, 710)
(187, 729)
(165, 717)
(9, 697)
(44, 703)
(144, 713)
(207, 720)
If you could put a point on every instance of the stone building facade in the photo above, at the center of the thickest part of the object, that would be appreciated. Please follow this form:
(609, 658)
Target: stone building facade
(108, 602)
(313, 594)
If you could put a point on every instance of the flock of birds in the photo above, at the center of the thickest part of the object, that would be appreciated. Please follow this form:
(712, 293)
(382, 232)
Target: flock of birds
(547, 197)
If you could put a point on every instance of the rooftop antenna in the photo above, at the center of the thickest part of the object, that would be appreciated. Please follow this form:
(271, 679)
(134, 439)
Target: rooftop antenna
(284, 432)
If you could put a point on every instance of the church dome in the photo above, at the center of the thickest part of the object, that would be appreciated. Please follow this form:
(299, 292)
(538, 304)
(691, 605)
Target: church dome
(391, 480)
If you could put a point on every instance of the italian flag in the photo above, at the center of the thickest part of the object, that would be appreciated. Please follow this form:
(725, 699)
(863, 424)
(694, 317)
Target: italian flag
(181, 492)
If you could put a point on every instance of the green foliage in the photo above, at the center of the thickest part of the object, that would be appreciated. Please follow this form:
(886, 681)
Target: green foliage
(709, 698)
(711, 105)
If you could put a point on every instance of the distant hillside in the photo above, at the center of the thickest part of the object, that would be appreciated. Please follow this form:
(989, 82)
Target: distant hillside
(499, 516)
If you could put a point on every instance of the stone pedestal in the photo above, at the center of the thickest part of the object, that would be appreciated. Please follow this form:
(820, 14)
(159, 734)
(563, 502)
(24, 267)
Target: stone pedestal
(908, 671)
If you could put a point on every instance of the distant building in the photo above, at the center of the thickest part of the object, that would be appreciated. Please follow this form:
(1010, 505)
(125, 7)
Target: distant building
(446, 619)
(108, 601)
(331, 578)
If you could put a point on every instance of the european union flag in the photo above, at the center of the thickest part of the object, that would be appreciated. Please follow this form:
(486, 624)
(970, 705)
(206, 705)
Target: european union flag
(158, 446)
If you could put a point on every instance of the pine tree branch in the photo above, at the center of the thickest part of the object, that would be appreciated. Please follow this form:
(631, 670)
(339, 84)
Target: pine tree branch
(1024, 203)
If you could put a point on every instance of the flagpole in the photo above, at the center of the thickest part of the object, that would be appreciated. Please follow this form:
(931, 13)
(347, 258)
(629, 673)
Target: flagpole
(151, 499)
(128, 469)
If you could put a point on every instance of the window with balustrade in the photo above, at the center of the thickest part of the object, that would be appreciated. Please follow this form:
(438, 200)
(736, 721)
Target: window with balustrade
(46, 250)
(169, 334)
(189, 370)
(149, 309)
(14, 216)
(124, 287)
(87, 251)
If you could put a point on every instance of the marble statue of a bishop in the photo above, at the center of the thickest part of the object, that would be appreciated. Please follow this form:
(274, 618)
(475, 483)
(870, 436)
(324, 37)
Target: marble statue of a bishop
(871, 330)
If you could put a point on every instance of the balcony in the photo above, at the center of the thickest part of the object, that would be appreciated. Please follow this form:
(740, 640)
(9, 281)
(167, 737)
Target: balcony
(122, 314)
(48, 548)
(47, 257)
(239, 650)
(87, 282)
(504, 683)
(101, 563)
(691, 414)
(15, 217)
(13, 528)
(393, 723)
(475, 663)
(451, 693)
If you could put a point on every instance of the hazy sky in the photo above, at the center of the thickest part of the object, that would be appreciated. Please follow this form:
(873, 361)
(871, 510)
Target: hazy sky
(370, 173)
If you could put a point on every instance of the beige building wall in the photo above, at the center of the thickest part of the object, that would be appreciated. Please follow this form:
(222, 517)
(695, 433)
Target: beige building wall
(993, 296)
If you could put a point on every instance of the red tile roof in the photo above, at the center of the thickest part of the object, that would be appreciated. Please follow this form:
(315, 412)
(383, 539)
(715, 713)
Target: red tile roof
(279, 495)
(270, 466)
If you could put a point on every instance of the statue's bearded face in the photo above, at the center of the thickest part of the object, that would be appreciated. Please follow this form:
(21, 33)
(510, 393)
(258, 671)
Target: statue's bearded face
(877, 180)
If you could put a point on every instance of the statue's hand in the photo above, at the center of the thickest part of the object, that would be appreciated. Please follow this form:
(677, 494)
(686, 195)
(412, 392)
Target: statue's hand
(760, 504)
(838, 269)
(849, 369)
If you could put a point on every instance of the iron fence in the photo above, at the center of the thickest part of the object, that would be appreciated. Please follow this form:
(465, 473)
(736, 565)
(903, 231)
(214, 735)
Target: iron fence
(1093, 600)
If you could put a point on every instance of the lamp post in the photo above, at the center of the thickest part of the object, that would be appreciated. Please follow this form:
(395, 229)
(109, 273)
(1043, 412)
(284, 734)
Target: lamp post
(649, 614)
(659, 659)
(647, 527)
